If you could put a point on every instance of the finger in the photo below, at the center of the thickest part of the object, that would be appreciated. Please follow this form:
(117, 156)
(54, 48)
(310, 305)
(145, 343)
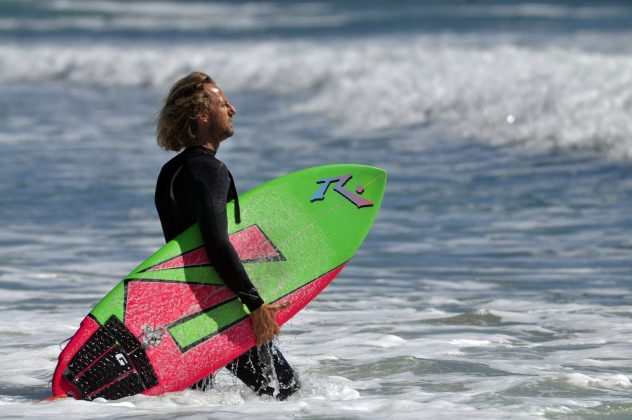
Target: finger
(282, 305)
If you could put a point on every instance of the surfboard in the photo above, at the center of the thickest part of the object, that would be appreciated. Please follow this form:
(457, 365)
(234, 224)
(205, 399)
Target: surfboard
(172, 321)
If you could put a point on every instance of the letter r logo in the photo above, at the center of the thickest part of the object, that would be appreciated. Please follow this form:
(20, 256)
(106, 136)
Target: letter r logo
(340, 181)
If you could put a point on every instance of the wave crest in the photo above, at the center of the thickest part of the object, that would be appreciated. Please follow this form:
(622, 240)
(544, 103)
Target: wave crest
(541, 99)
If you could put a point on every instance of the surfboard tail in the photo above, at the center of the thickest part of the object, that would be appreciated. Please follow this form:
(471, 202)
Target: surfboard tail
(103, 361)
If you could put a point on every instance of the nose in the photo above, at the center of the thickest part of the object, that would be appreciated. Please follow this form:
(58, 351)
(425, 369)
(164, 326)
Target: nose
(231, 109)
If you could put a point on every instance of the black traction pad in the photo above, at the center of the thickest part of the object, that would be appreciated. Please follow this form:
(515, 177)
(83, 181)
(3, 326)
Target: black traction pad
(112, 364)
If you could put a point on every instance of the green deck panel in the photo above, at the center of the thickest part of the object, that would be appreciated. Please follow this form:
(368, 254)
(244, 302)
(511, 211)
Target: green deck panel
(207, 323)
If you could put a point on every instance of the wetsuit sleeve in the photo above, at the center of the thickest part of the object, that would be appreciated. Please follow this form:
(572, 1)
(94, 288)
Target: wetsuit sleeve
(210, 207)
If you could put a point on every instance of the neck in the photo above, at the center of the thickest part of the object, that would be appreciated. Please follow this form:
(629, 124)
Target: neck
(205, 140)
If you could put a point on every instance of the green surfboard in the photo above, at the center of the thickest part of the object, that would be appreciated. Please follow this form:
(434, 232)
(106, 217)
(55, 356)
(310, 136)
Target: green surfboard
(172, 321)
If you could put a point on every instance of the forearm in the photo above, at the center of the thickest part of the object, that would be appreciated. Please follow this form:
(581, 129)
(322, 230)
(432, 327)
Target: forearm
(224, 258)
(231, 270)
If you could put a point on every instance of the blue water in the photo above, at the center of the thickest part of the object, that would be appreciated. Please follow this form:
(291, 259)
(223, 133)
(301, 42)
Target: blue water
(495, 281)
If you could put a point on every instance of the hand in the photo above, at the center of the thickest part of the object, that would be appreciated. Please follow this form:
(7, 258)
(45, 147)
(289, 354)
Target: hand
(265, 323)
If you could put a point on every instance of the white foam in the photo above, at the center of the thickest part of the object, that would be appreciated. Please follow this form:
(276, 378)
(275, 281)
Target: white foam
(387, 341)
(464, 342)
(602, 381)
(24, 380)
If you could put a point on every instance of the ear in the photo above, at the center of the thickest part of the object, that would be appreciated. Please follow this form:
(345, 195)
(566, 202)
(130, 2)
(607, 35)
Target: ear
(201, 117)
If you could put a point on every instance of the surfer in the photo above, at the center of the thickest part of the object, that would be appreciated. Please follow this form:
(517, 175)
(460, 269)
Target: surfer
(194, 187)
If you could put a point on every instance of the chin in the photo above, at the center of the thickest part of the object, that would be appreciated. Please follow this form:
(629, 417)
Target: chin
(226, 136)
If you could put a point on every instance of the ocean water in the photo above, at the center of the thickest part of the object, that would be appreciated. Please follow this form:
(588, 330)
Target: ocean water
(496, 280)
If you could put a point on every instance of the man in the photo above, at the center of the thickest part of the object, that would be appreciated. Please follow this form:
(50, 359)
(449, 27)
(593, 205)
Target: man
(194, 187)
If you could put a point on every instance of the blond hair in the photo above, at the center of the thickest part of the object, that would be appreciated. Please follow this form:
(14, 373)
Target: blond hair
(176, 127)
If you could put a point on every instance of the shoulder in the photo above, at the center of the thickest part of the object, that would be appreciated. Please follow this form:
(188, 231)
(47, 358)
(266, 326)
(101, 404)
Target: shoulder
(169, 168)
(206, 168)
(204, 163)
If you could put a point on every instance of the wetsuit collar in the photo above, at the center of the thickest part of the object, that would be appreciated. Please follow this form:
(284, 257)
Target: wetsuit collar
(202, 149)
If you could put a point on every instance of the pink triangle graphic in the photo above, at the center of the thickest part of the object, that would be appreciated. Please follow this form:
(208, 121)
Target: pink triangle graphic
(251, 245)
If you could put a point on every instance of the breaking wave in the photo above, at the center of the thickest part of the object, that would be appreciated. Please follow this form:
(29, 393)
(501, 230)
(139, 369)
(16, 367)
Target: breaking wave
(503, 93)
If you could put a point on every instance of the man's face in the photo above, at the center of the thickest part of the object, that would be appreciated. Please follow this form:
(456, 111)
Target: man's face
(220, 124)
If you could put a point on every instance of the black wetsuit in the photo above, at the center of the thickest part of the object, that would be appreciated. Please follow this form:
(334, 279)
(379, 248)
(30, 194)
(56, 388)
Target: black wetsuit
(194, 187)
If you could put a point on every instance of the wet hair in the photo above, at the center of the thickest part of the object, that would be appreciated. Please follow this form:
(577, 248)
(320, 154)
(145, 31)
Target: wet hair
(176, 127)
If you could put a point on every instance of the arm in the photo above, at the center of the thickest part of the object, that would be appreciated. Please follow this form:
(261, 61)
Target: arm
(212, 218)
